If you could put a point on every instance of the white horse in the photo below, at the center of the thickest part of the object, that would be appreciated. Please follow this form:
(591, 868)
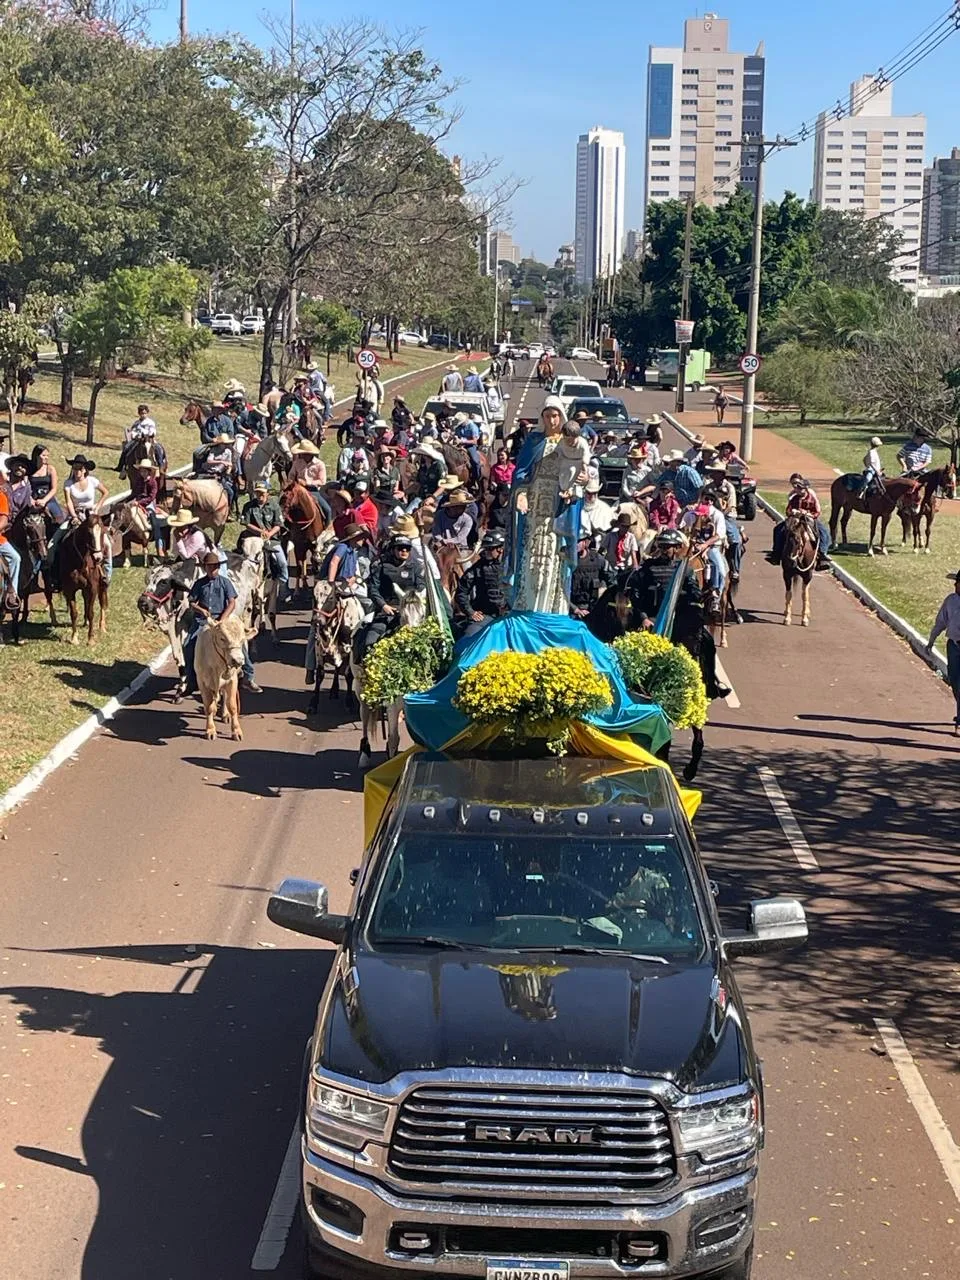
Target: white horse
(337, 617)
(265, 589)
(258, 467)
(412, 611)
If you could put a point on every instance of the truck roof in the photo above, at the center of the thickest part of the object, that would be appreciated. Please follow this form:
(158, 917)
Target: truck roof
(587, 797)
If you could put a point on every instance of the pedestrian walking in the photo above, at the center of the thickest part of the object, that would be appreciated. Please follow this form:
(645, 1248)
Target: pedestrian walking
(948, 620)
(720, 403)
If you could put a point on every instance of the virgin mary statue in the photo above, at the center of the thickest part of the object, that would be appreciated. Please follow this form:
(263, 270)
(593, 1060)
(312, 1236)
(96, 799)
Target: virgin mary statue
(547, 500)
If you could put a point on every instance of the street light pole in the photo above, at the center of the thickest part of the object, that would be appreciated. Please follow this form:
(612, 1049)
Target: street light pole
(764, 149)
(685, 305)
(183, 21)
(496, 300)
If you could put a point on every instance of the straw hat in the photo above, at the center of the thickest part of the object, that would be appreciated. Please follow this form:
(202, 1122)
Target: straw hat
(636, 452)
(450, 483)
(406, 526)
(452, 368)
(148, 465)
(210, 557)
(180, 519)
(222, 438)
(306, 446)
(457, 497)
(233, 385)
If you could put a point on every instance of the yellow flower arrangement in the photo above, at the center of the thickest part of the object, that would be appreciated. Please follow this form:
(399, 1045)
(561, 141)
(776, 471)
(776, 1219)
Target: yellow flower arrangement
(535, 695)
(667, 673)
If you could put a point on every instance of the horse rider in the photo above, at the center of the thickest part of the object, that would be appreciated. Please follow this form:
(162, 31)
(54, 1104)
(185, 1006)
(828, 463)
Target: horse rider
(234, 393)
(509, 367)
(647, 587)
(316, 382)
(400, 414)
(802, 499)
(357, 443)
(18, 485)
(143, 427)
(685, 478)
(664, 511)
(469, 436)
(309, 469)
(9, 555)
(431, 469)
(454, 523)
(189, 540)
(144, 487)
(392, 576)
(872, 469)
(592, 575)
(84, 493)
(262, 518)
(721, 492)
(212, 597)
(480, 596)
(916, 455)
(217, 424)
(219, 462)
(596, 516)
(706, 528)
(636, 474)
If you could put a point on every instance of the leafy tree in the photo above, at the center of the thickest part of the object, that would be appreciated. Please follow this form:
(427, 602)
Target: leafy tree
(140, 308)
(799, 377)
(849, 249)
(26, 138)
(18, 351)
(833, 316)
(564, 323)
(328, 326)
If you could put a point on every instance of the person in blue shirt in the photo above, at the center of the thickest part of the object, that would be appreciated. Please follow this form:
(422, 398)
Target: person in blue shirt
(468, 433)
(473, 382)
(916, 455)
(212, 596)
(687, 480)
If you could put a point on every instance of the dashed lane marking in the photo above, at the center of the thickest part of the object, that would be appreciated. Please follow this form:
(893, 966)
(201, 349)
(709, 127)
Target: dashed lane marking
(784, 815)
(921, 1099)
(732, 701)
(276, 1226)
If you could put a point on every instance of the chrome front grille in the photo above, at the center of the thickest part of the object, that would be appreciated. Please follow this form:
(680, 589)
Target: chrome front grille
(550, 1141)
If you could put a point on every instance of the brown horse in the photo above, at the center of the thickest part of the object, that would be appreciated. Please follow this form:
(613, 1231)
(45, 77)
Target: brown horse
(458, 464)
(798, 561)
(81, 556)
(137, 453)
(28, 534)
(208, 501)
(195, 414)
(451, 564)
(923, 506)
(845, 499)
(305, 524)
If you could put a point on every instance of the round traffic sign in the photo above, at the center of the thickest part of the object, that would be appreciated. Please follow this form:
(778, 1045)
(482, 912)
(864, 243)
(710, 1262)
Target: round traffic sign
(366, 358)
(749, 363)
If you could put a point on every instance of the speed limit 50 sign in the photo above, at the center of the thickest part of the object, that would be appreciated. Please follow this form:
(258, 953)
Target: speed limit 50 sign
(749, 363)
(366, 358)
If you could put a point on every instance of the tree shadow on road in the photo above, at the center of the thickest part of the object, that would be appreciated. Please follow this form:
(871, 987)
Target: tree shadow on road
(195, 1109)
(884, 908)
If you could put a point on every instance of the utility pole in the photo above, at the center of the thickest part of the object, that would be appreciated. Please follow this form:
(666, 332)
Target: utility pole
(764, 149)
(685, 304)
(292, 180)
(183, 21)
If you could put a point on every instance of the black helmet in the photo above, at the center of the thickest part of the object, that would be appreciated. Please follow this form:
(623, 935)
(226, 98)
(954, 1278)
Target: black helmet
(670, 538)
(401, 541)
(495, 538)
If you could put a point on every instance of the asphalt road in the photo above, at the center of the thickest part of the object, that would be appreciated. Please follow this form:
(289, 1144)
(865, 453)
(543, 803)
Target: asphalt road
(153, 1022)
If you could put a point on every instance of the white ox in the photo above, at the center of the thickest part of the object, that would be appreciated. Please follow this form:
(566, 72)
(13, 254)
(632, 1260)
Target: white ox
(218, 661)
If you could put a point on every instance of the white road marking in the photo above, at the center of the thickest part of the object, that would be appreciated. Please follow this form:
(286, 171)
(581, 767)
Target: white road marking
(784, 815)
(279, 1219)
(941, 1139)
(731, 699)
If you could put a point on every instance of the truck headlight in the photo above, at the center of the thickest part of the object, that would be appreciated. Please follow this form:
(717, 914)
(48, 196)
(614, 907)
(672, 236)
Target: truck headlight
(721, 1129)
(346, 1117)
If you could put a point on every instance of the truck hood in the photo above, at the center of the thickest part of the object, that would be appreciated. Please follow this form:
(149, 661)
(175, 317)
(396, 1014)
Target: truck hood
(553, 1013)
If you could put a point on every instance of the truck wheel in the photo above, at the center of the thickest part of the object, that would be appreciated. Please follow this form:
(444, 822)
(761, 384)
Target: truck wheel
(749, 506)
(694, 386)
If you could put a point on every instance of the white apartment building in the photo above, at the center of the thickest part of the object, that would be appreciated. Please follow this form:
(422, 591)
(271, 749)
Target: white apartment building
(601, 185)
(503, 249)
(872, 162)
(701, 100)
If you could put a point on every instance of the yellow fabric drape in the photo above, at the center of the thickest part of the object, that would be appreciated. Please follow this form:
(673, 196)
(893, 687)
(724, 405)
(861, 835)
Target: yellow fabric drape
(585, 740)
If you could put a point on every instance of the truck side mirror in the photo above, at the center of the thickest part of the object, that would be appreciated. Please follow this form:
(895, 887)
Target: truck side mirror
(301, 906)
(773, 924)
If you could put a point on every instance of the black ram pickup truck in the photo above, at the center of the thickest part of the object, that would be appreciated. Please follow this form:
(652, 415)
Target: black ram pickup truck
(531, 1060)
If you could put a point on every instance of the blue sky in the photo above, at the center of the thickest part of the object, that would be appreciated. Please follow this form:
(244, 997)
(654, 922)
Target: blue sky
(537, 76)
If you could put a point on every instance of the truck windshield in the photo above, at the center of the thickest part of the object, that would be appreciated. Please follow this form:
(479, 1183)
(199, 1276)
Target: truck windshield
(520, 892)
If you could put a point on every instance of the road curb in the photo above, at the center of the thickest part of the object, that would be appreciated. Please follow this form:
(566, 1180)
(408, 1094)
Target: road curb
(904, 630)
(71, 742)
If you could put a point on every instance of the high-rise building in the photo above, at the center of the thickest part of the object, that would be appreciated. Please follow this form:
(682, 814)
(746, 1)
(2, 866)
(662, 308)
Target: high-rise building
(502, 249)
(565, 258)
(871, 162)
(601, 182)
(940, 234)
(632, 244)
(701, 101)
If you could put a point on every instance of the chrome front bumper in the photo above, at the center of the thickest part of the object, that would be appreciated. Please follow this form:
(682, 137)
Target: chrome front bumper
(679, 1220)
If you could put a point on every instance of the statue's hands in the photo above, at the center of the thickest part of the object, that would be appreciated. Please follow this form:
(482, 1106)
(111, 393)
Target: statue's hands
(522, 504)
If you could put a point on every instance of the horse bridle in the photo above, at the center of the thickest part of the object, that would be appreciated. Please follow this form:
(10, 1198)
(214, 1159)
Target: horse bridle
(793, 559)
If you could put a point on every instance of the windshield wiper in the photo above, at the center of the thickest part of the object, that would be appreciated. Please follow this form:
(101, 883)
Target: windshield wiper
(427, 940)
(577, 949)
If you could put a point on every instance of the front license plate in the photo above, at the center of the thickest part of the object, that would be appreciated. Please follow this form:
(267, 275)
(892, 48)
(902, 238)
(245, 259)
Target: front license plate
(526, 1269)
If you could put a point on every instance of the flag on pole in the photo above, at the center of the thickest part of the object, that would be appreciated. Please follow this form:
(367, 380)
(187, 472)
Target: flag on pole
(663, 626)
(436, 601)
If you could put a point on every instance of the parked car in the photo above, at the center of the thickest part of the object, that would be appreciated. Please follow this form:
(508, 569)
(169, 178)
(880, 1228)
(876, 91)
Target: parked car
(442, 342)
(531, 1057)
(411, 338)
(581, 353)
(253, 324)
(225, 322)
(205, 321)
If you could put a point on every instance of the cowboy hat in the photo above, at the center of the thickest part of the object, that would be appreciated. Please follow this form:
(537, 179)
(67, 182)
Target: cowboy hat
(451, 482)
(306, 446)
(599, 416)
(353, 531)
(210, 557)
(452, 368)
(716, 467)
(180, 519)
(312, 367)
(301, 376)
(233, 385)
(457, 496)
(19, 460)
(381, 424)
(260, 410)
(636, 452)
(405, 525)
(147, 464)
(592, 486)
(654, 420)
(222, 438)
(81, 461)
(673, 456)
(425, 450)
(429, 417)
